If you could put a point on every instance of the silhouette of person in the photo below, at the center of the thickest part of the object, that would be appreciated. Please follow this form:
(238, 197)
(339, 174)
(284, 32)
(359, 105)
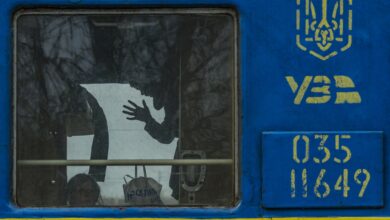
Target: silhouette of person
(168, 129)
(163, 86)
(165, 95)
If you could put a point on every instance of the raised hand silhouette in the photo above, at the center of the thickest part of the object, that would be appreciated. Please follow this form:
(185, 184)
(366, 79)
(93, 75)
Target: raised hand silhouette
(135, 112)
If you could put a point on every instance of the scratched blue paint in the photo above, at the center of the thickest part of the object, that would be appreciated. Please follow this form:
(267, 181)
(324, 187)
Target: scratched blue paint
(267, 53)
(278, 163)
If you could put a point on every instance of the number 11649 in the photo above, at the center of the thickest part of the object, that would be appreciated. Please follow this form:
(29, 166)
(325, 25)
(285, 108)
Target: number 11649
(322, 189)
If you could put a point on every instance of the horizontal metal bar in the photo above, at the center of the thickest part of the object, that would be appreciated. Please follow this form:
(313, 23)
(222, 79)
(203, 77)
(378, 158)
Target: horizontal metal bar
(152, 162)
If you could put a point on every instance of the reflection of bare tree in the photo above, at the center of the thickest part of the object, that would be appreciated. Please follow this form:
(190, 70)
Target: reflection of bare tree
(207, 89)
(54, 56)
(184, 62)
(206, 104)
(37, 127)
(192, 59)
(148, 48)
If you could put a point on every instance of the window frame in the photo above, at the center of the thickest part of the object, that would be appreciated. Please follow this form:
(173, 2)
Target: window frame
(236, 130)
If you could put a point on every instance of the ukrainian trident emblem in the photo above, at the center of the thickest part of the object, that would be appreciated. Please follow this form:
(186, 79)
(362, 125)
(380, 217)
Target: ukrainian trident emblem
(324, 27)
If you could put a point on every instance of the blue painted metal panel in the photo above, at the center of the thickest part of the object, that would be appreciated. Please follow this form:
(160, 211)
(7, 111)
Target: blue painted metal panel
(322, 169)
(268, 54)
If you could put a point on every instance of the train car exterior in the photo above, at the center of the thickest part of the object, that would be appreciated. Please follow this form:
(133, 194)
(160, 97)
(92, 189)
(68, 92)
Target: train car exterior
(206, 109)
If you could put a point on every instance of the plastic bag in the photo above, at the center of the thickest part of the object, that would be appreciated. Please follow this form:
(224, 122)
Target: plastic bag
(142, 191)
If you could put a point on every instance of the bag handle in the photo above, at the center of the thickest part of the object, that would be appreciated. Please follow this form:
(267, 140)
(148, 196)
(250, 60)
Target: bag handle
(136, 171)
(124, 178)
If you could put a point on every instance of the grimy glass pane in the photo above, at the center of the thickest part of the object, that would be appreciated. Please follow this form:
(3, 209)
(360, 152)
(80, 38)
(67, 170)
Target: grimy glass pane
(125, 85)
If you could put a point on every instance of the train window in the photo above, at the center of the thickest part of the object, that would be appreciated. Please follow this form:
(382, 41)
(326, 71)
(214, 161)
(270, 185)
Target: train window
(125, 108)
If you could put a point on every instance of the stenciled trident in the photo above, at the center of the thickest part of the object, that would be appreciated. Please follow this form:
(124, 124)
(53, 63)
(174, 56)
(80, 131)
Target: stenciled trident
(324, 35)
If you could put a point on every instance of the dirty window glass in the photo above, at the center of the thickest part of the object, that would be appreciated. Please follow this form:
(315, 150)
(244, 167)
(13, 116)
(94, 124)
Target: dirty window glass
(125, 108)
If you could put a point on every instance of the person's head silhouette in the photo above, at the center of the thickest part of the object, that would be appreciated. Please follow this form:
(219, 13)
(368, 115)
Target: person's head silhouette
(152, 89)
(82, 190)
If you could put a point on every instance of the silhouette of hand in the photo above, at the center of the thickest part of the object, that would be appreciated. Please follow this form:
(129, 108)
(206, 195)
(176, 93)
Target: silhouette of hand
(135, 112)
